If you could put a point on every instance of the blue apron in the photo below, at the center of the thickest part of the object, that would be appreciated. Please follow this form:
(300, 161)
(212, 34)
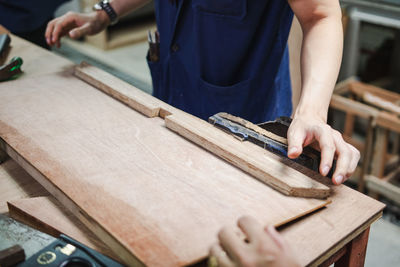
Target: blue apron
(224, 55)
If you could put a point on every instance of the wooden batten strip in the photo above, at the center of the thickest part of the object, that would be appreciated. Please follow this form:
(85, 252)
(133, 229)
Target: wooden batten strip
(262, 164)
(120, 90)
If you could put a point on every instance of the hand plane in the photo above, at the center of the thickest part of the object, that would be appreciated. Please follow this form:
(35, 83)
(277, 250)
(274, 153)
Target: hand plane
(271, 135)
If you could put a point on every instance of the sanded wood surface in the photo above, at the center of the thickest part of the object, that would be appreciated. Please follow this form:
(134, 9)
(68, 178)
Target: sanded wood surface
(269, 169)
(146, 192)
(15, 183)
(46, 214)
(318, 236)
(339, 223)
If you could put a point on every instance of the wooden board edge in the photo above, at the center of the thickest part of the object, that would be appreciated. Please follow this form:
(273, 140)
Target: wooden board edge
(324, 204)
(20, 215)
(116, 246)
(317, 262)
(175, 123)
(92, 76)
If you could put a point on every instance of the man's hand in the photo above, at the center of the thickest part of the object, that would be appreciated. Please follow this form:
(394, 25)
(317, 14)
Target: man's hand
(305, 130)
(262, 247)
(76, 25)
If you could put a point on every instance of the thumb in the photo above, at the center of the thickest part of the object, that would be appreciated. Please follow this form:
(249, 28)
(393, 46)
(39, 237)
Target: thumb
(296, 137)
(80, 31)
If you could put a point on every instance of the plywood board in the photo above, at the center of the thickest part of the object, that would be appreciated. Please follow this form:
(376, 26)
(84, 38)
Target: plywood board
(349, 214)
(153, 197)
(269, 168)
(47, 215)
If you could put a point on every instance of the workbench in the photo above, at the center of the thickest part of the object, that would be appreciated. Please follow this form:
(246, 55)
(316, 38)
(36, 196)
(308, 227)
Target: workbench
(336, 234)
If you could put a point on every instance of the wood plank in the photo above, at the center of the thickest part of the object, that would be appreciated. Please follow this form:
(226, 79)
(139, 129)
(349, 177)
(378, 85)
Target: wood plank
(15, 183)
(152, 107)
(126, 93)
(139, 186)
(349, 212)
(259, 162)
(47, 215)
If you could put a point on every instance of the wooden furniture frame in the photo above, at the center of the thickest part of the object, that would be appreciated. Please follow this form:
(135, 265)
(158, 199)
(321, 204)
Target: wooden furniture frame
(379, 108)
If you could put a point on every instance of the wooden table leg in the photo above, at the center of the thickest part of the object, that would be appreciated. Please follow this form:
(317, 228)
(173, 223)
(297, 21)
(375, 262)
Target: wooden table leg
(355, 251)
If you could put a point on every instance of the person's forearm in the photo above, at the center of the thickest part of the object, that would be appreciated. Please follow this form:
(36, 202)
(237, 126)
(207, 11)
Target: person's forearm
(320, 58)
(123, 7)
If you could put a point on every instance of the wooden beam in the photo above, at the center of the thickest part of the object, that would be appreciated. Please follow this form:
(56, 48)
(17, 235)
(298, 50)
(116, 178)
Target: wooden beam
(380, 149)
(353, 107)
(384, 188)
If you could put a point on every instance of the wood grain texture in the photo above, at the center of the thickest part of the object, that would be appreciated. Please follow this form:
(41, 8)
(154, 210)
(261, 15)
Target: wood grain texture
(150, 106)
(15, 183)
(262, 164)
(153, 197)
(47, 215)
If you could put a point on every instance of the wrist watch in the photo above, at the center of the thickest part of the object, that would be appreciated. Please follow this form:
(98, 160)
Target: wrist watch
(106, 7)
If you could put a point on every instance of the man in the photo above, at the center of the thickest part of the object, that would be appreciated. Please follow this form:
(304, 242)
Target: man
(231, 55)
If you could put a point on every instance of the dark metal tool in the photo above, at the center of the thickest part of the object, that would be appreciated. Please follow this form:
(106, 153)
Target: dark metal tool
(271, 136)
(11, 70)
(4, 45)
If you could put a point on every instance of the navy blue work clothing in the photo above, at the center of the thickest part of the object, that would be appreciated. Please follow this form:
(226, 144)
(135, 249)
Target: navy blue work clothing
(22, 16)
(224, 55)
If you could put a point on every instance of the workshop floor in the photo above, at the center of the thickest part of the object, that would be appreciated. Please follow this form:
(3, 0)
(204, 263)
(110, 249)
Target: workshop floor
(129, 64)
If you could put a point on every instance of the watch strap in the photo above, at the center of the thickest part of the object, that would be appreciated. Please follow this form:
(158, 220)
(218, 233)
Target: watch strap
(105, 5)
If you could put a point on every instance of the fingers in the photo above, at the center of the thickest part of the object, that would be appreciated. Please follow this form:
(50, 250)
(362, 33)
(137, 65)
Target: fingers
(275, 236)
(348, 157)
(218, 257)
(328, 148)
(49, 30)
(231, 243)
(296, 136)
(250, 227)
(59, 27)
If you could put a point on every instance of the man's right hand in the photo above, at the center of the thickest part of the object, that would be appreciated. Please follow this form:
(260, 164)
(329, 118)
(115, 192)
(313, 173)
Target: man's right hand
(75, 25)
